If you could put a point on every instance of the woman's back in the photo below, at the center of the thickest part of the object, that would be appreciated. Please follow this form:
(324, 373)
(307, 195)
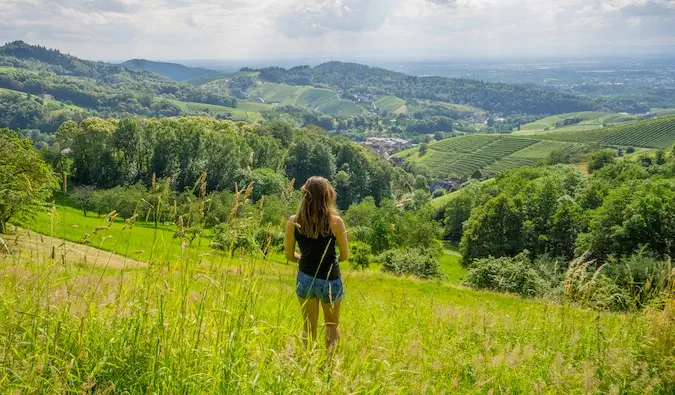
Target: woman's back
(318, 256)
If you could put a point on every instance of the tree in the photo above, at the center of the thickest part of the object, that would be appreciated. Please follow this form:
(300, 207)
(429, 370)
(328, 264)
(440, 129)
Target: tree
(308, 157)
(83, 198)
(26, 181)
(423, 149)
(599, 159)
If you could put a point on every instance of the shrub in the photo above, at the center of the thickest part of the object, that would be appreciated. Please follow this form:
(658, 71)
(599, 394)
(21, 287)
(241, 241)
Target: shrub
(438, 193)
(412, 261)
(360, 255)
(269, 239)
(514, 275)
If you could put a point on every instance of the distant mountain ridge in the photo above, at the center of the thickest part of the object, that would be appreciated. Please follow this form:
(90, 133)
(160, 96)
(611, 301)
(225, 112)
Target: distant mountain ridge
(174, 71)
(353, 79)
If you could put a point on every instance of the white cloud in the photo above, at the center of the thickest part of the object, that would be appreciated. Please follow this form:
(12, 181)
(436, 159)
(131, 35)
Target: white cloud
(175, 29)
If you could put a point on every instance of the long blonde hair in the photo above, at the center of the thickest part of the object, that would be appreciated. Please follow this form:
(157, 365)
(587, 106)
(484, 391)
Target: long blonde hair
(317, 208)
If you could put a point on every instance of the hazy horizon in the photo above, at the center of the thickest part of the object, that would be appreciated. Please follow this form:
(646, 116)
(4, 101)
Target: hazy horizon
(192, 30)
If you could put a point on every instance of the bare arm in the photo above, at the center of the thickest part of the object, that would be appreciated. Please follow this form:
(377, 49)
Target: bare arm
(339, 230)
(289, 241)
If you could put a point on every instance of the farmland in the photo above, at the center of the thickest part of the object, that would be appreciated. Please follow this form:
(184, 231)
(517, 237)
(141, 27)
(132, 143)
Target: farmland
(579, 121)
(324, 100)
(390, 103)
(200, 81)
(462, 156)
(492, 154)
(237, 114)
(652, 133)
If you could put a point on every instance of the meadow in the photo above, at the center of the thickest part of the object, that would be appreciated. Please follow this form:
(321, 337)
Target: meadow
(651, 133)
(587, 120)
(391, 104)
(207, 322)
(238, 114)
(324, 100)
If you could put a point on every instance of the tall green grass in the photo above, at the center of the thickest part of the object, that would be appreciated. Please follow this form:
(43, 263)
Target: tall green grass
(211, 323)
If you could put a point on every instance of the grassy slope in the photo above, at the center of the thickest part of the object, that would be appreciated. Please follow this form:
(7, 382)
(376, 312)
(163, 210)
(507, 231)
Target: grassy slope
(231, 326)
(590, 120)
(461, 156)
(651, 133)
(199, 81)
(324, 100)
(238, 114)
(389, 103)
(53, 101)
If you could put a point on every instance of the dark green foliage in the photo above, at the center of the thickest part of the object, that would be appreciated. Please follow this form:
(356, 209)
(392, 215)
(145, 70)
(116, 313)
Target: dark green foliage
(424, 147)
(174, 71)
(495, 97)
(309, 157)
(517, 275)
(388, 226)
(599, 159)
(26, 181)
(632, 215)
(109, 89)
(411, 262)
(360, 255)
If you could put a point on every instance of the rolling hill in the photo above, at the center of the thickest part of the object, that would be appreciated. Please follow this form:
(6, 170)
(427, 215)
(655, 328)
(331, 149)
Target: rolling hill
(651, 133)
(579, 121)
(460, 157)
(324, 100)
(174, 71)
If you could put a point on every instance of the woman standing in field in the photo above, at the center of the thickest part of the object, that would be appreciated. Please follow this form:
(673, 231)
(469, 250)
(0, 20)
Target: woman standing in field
(317, 228)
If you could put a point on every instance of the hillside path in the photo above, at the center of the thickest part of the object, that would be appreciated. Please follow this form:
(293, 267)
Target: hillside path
(27, 244)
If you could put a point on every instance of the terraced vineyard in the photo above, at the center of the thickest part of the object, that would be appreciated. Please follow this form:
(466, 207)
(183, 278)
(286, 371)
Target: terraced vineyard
(389, 103)
(652, 133)
(236, 114)
(579, 121)
(324, 100)
(462, 156)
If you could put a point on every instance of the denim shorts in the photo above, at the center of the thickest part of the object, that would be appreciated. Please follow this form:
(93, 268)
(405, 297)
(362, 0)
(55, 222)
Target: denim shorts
(327, 291)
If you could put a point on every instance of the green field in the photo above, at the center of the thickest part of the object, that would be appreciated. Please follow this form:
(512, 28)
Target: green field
(253, 107)
(589, 120)
(652, 133)
(197, 321)
(324, 100)
(462, 156)
(237, 114)
(390, 103)
(199, 81)
(55, 103)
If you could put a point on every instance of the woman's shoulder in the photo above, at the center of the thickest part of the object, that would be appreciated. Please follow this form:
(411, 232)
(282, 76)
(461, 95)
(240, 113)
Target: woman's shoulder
(336, 220)
(293, 218)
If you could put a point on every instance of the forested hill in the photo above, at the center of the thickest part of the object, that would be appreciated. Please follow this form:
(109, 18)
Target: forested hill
(174, 71)
(356, 79)
(107, 89)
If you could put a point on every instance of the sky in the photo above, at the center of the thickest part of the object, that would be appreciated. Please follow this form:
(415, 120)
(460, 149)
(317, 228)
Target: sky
(341, 29)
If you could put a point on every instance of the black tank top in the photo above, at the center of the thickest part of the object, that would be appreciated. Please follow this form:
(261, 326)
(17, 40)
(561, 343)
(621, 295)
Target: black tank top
(312, 251)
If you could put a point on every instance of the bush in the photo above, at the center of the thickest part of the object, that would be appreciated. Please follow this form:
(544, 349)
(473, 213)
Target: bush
(514, 275)
(360, 255)
(413, 261)
(269, 239)
(438, 193)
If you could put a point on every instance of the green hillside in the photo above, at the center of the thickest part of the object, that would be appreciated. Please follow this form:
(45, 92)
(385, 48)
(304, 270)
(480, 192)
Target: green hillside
(462, 156)
(207, 79)
(390, 103)
(576, 121)
(652, 133)
(237, 114)
(324, 100)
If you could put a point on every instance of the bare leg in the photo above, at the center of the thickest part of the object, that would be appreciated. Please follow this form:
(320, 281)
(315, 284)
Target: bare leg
(331, 314)
(310, 316)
